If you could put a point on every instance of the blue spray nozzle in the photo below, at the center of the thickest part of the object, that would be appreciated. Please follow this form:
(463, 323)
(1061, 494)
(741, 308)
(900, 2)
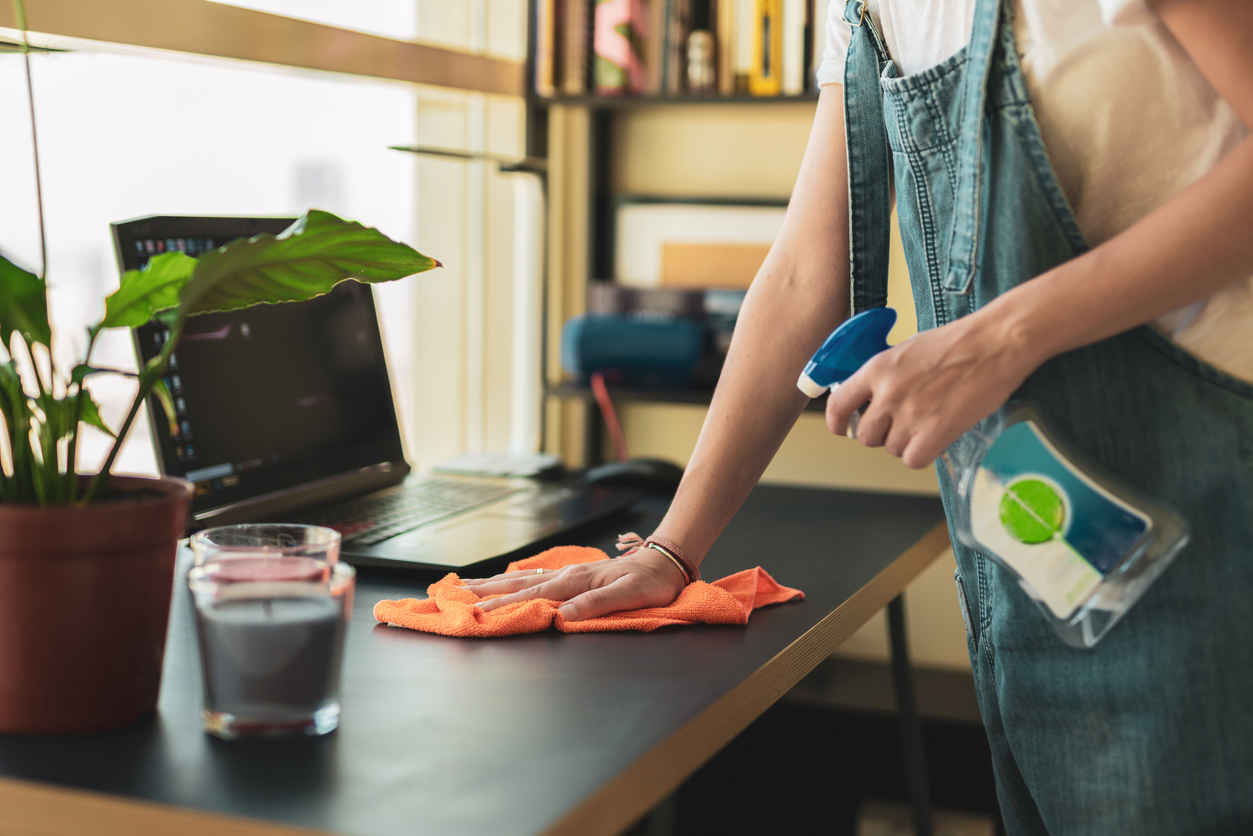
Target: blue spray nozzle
(857, 340)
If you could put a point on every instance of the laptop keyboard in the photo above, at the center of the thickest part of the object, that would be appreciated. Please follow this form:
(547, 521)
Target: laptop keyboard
(373, 519)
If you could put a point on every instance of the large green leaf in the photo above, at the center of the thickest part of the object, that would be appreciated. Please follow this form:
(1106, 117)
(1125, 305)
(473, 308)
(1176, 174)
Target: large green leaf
(13, 401)
(307, 259)
(82, 371)
(143, 293)
(58, 414)
(90, 414)
(15, 406)
(23, 305)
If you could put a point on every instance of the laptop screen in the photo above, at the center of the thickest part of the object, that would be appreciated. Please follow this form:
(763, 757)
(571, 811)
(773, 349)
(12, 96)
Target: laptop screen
(271, 397)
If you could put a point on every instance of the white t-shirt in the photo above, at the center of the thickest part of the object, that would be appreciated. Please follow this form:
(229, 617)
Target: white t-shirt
(1126, 116)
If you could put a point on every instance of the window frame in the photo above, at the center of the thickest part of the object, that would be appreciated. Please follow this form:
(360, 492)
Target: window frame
(203, 28)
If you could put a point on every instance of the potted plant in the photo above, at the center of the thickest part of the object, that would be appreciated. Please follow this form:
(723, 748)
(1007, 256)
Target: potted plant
(87, 561)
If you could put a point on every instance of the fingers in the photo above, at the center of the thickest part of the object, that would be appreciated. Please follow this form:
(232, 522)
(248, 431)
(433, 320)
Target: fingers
(874, 426)
(560, 585)
(848, 412)
(849, 396)
(897, 439)
(589, 589)
(925, 447)
(511, 581)
(542, 587)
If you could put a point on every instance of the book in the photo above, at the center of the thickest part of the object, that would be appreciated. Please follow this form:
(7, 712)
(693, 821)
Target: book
(763, 47)
(655, 46)
(677, 24)
(766, 77)
(792, 58)
(745, 24)
(545, 48)
(621, 28)
(576, 34)
(819, 38)
(724, 31)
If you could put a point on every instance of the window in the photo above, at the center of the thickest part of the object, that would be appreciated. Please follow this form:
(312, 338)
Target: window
(124, 135)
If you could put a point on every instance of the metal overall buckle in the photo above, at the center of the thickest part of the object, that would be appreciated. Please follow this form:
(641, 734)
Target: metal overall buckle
(861, 12)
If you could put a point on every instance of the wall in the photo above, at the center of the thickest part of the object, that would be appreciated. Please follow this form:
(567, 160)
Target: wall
(730, 151)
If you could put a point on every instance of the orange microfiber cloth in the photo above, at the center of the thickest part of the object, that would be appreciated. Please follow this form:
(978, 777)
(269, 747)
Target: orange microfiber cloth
(450, 608)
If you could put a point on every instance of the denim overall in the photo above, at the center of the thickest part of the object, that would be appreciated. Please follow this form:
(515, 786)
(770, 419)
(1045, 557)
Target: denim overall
(1150, 732)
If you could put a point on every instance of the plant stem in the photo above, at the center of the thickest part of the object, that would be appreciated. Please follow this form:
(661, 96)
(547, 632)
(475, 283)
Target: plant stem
(147, 378)
(19, 12)
(71, 463)
(22, 446)
(98, 482)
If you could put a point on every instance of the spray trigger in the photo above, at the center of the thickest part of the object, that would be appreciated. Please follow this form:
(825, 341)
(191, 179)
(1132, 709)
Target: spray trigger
(847, 349)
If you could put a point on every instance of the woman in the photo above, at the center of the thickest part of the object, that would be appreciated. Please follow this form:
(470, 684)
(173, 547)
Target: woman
(1065, 172)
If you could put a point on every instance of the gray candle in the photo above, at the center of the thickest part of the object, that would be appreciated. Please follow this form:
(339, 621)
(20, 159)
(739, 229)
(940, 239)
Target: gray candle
(270, 659)
(271, 633)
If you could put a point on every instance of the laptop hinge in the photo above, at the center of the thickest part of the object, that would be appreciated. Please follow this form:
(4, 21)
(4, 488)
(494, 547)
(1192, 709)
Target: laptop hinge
(271, 506)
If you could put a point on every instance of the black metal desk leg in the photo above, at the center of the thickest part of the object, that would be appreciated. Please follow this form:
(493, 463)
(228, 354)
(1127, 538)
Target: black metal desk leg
(910, 722)
(663, 820)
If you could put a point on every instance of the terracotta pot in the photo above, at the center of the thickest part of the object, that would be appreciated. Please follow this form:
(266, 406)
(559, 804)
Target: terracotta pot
(84, 604)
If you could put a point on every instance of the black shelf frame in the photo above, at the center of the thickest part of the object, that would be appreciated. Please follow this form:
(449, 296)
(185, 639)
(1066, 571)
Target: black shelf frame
(596, 102)
(643, 395)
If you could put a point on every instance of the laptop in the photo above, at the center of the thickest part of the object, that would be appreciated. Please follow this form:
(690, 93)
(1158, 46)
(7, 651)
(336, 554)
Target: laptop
(285, 414)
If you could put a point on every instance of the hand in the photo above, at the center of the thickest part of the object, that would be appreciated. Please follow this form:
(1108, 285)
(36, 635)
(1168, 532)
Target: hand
(925, 392)
(643, 579)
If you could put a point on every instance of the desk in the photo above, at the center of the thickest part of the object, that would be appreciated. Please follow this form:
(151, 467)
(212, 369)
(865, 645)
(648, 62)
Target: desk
(546, 733)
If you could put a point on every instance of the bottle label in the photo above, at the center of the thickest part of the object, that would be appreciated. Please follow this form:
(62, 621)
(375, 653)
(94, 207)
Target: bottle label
(1058, 529)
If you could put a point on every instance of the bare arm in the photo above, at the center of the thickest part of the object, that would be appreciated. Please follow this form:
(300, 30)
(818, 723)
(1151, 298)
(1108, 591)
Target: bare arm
(927, 391)
(798, 297)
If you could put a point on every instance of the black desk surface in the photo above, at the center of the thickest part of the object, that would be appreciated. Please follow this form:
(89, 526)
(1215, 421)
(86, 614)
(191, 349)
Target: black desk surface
(520, 735)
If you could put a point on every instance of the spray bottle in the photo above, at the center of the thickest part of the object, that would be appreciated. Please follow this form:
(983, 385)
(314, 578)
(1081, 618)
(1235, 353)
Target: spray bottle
(1081, 544)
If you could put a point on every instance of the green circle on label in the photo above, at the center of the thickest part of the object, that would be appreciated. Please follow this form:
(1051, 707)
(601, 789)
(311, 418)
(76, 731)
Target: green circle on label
(1032, 511)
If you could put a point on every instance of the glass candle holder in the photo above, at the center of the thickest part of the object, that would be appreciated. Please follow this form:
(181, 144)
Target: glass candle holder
(271, 630)
(230, 542)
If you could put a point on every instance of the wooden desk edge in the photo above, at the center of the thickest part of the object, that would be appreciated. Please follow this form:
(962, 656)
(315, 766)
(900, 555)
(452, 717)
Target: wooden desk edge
(648, 781)
(34, 809)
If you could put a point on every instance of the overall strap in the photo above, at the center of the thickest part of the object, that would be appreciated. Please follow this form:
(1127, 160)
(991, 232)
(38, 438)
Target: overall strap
(866, 140)
(964, 245)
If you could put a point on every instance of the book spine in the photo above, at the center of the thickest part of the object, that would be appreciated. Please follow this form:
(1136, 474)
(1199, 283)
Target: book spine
(576, 47)
(808, 66)
(745, 26)
(545, 35)
(793, 54)
(618, 42)
(766, 78)
(654, 50)
(821, 8)
(724, 27)
(667, 47)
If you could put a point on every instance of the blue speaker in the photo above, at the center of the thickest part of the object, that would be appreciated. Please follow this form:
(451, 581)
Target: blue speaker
(643, 350)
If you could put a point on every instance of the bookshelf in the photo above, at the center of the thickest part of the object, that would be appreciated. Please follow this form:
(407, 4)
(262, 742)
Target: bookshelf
(667, 50)
(587, 139)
